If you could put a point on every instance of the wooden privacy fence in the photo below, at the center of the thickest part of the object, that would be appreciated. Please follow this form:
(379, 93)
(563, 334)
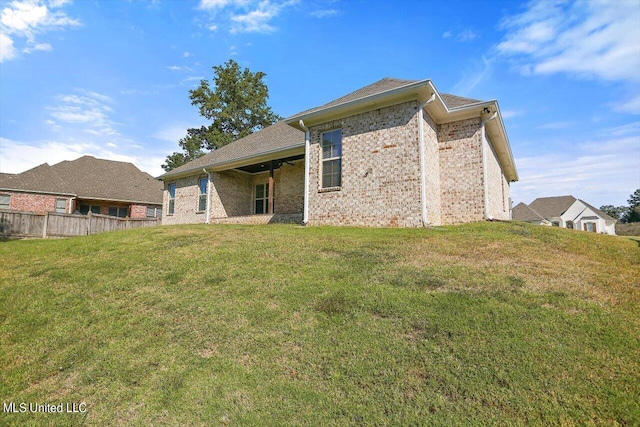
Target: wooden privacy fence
(49, 224)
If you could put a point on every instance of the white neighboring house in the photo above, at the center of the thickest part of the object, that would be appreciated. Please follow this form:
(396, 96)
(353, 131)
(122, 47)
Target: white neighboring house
(565, 212)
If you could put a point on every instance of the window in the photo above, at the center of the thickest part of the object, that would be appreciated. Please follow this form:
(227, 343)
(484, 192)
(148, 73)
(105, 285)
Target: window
(172, 198)
(61, 205)
(261, 205)
(555, 223)
(590, 226)
(332, 158)
(84, 209)
(202, 200)
(121, 211)
(152, 212)
(570, 224)
(5, 201)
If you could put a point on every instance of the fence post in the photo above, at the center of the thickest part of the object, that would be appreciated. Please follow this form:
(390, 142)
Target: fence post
(89, 222)
(45, 225)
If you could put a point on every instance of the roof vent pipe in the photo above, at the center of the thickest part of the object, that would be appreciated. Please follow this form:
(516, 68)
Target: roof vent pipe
(423, 160)
(307, 136)
(484, 165)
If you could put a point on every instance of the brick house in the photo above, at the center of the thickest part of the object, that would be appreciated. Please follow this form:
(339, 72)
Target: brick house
(396, 153)
(84, 185)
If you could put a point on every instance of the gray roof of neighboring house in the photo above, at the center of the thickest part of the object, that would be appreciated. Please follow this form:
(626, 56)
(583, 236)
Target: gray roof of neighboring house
(281, 136)
(89, 178)
(523, 212)
(277, 137)
(552, 207)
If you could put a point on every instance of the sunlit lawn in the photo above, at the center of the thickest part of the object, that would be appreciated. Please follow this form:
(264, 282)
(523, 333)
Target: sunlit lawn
(482, 324)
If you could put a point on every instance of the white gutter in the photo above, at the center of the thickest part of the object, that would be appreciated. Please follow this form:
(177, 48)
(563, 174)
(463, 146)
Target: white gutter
(484, 166)
(423, 160)
(307, 137)
(206, 219)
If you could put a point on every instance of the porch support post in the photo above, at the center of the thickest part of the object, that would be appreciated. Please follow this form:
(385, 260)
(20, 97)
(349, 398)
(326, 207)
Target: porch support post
(270, 206)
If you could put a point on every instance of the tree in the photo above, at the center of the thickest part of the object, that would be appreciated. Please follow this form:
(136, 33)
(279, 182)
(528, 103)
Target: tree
(237, 107)
(633, 212)
(616, 212)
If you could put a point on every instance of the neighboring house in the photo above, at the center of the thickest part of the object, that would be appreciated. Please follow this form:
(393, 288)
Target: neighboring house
(394, 153)
(522, 212)
(565, 212)
(81, 186)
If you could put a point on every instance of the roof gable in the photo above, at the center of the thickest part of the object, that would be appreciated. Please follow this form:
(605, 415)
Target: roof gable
(523, 212)
(552, 207)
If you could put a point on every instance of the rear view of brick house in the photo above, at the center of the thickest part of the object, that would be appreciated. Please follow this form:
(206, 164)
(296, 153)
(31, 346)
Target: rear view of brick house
(84, 185)
(396, 153)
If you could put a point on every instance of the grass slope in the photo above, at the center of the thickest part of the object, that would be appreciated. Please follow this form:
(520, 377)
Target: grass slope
(481, 324)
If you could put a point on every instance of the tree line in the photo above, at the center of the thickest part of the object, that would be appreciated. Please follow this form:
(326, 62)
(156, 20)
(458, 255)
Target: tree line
(625, 214)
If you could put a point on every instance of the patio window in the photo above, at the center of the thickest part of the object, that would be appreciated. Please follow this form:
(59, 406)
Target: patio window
(332, 159)
(202, 198)
(120, 211)
(172, 198)
(590, 226)
(261, 204)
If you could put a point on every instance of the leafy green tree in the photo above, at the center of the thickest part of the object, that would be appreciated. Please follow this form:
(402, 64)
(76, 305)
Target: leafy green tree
(616, 212)
(237, 107)
(633, 212)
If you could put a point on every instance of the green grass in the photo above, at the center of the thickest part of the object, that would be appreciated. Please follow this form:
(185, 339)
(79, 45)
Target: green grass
(481, 324)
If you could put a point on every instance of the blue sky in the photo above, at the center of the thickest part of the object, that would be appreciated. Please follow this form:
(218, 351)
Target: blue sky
(111, 78)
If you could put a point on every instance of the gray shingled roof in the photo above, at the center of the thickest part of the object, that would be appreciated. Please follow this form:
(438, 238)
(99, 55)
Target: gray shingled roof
(550, 207)
(384, 85)
(523, 212)
(89, 178)
(277, 137)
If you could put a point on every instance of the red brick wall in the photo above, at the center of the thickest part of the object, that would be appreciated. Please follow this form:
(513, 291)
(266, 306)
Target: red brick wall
(29, 202)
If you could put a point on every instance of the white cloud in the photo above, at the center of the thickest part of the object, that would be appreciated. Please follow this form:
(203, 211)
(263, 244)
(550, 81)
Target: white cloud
(601, 171)
(631, 105)
(16, 157)
(245, 16)
(462, 36)
(90, 112)
(590, 39)
(324, 13)
(507, 114)
(7, 51)
(28, 18)
(480, 72)
(556, 125)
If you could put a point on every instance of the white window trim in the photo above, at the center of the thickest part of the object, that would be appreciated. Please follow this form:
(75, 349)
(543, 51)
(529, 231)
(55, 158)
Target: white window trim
(321, 188)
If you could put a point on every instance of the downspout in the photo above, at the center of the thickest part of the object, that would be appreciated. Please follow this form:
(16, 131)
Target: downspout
(307, 137)
(423, 161)
(206, 219)
(484, 166)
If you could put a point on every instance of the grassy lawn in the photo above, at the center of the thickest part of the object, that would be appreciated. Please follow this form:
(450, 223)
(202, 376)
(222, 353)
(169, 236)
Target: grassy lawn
(481, 324)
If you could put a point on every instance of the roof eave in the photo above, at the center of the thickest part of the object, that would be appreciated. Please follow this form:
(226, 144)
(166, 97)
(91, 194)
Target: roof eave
(359, 105)
(239, 162)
